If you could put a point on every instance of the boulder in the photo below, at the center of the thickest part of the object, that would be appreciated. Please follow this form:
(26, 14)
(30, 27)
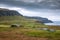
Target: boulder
(16, 25)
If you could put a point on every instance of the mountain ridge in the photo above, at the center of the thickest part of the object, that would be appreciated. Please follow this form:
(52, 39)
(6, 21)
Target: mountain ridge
(43, 20)
(7, 12)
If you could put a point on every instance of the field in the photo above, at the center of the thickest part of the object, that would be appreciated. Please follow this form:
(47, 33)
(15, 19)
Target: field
(30, 30)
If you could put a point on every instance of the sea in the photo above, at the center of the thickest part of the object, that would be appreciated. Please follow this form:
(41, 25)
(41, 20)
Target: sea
(56, 23)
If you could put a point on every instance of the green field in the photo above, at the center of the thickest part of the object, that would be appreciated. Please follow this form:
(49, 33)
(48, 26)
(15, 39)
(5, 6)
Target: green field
(30, 28)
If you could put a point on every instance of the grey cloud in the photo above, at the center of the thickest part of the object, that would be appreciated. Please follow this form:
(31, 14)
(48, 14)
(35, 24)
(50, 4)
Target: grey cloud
(37, 4)
(20, 3)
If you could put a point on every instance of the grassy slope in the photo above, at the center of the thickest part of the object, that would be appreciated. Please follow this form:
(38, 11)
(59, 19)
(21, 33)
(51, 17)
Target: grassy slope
(8, 20)
(29, 29)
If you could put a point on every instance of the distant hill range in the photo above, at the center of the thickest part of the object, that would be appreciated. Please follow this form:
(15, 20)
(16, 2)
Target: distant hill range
(44, 20)
(6, 13)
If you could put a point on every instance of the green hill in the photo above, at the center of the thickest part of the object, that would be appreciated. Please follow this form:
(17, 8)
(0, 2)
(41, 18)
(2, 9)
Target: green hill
(8, 17)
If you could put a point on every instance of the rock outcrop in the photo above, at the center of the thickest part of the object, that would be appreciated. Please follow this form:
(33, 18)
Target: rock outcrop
(7, 12)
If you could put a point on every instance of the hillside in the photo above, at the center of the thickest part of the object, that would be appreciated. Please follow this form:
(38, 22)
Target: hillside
(7, 12)
(9, 15)
(43, 20)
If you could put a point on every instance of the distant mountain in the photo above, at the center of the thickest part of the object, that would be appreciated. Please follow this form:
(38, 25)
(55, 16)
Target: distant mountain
(8, 17)
(7, 12)
(43, 20)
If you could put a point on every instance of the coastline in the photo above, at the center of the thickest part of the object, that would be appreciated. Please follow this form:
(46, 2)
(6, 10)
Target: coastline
(55, 23)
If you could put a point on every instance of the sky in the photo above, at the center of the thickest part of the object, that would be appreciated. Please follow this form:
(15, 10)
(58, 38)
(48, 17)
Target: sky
(22, 7)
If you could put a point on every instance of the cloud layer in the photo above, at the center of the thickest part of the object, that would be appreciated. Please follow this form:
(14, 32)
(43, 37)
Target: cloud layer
(33, 8)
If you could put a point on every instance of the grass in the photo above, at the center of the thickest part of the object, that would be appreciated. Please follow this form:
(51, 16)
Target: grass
(29, 29)
(41, 33)
(29, 32)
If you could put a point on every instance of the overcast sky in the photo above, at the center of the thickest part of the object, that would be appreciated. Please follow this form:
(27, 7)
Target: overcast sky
(22, 8)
